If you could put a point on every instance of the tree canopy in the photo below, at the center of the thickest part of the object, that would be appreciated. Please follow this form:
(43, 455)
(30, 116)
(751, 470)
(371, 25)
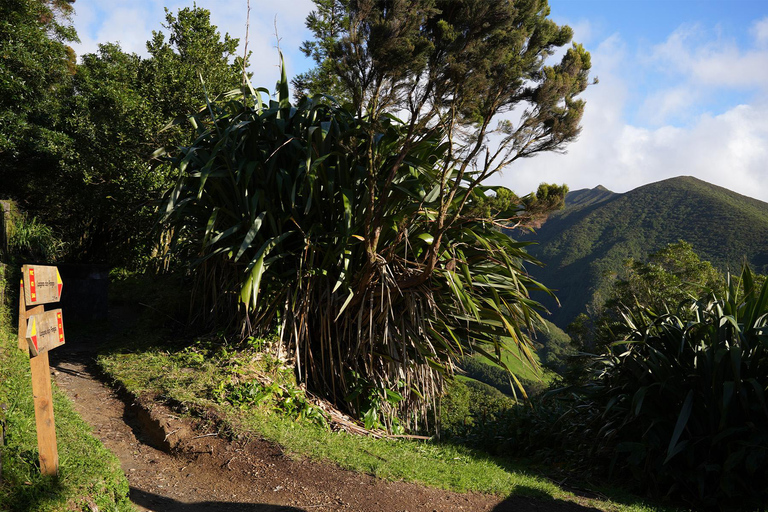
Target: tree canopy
(77, 139)
(454, 68)
(36, 70)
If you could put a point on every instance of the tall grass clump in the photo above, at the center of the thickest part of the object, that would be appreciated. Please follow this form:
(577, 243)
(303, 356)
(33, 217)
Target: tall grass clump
(277, 207)
(30, 239)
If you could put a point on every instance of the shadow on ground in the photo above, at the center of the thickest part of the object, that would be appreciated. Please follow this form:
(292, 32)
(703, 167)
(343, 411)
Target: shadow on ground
(154, 502)
(536, 502)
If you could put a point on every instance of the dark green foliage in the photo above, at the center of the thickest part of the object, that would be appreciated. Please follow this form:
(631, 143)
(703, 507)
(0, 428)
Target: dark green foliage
(31, 240)
(554, 347)
(77, 140)
(193, 62)
(36, 68)
(274, 208)
(471, 412)
(670, 277)
(103, 188)
(585, 245)
(678, 403)
(470, 60)
(327, 24)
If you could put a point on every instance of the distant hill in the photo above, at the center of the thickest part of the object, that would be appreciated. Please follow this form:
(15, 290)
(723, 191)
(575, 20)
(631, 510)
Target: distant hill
(584, 245)
(588, 196)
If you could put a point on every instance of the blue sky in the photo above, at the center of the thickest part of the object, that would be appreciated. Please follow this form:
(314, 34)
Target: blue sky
(683, 83)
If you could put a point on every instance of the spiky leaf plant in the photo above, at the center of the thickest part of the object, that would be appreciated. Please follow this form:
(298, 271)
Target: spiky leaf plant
(272, 206)
(679, 402)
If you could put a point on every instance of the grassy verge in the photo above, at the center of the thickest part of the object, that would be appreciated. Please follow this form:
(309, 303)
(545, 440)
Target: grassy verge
(521, 368)
(206, 375)
(89, 478)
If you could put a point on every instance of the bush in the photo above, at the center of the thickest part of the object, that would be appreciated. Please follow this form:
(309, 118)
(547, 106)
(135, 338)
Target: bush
(678, 403)
(316, 222)
(554, 347)
(471, 413)
(32, 240)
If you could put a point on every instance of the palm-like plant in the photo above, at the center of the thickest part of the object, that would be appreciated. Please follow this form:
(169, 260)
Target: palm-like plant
(682, 397)
(273, 205)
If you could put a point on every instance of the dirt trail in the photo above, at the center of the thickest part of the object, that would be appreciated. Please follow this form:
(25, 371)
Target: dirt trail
(207, 473)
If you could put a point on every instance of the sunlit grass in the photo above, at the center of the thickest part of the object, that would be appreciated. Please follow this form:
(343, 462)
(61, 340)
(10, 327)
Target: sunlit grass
(89, 478)
(195, 376)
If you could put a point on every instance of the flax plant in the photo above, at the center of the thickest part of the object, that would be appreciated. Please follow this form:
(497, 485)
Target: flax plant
(272, 208)
(679, 401)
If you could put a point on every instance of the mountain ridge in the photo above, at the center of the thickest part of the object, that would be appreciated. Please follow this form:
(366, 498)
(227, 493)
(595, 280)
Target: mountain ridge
(583, 246)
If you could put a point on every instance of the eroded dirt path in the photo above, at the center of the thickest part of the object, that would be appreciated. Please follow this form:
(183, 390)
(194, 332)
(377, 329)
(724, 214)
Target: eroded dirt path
(207, 473)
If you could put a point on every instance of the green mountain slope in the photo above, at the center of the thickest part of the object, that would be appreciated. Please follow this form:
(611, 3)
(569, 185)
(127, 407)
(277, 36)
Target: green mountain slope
(584, 246)
(588, 196)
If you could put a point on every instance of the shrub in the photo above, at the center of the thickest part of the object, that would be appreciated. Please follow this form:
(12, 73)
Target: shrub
(31, 239)
(473, 412)
(498, 378)
(678, 403)
(321, 224)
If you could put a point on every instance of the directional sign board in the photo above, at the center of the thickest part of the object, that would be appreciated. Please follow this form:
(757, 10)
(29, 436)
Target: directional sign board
(45, 332)
(42, 284)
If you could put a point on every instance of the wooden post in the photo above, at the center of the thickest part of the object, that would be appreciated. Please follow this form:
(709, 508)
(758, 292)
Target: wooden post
(46, 428)
(46, 289)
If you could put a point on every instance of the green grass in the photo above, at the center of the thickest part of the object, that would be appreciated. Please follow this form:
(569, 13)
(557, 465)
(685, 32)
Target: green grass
(195, 377)
(89, 475)
(521, 368)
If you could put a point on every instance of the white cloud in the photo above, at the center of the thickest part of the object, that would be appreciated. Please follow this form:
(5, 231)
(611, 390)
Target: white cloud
(760, 31)
(716, 62)
(729, 149)
(668, 103)
(132, 24)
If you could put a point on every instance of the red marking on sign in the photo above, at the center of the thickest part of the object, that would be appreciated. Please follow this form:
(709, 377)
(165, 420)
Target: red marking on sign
(59, 284)
(33, 295)
(61, 328)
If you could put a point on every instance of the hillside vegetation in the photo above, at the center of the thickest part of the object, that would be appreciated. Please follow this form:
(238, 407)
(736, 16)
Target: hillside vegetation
(584, 246)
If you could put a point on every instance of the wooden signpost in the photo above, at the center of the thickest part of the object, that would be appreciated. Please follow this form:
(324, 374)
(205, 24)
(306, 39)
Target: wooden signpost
(39, 332)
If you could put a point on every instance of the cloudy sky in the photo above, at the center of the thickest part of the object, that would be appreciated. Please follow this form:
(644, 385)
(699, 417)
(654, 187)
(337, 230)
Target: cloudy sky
(683, 84)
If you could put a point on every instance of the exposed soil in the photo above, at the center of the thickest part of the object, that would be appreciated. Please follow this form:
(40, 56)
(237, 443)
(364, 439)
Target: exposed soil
(175, 465)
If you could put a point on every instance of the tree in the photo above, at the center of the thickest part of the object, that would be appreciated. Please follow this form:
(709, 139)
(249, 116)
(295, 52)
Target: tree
(667, 282)
(271, 210)
(79, 138)
(512, 211)
(194, 62)
(354, 232)
(121, 105)
(327, 23)
(671, 275)
(36, 68)
(106, 186)
(451, 67)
